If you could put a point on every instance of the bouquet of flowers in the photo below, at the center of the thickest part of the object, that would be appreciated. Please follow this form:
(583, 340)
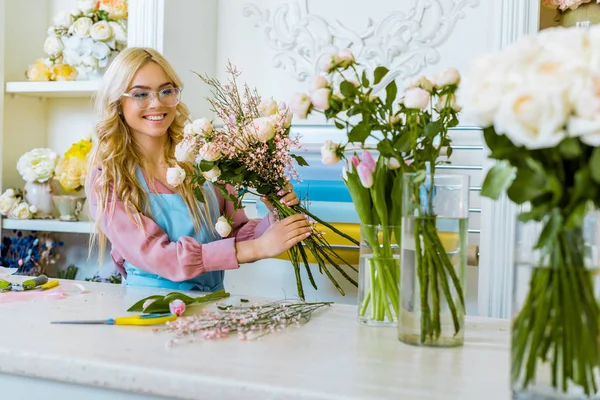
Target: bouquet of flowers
(409, 132)
(539, 102)
(72, 169)
(564, 5)
(30, 254)
(81, 42)
(37, 165)
(251, 152)
(12, 205)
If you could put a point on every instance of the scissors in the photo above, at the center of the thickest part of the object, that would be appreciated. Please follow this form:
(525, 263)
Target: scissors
(140, 320)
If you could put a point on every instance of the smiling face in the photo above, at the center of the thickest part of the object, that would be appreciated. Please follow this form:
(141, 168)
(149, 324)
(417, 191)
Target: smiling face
(146, 115)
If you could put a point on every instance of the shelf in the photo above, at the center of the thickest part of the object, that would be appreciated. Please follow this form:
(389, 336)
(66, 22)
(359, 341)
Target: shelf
(54, 89)
(47, 225)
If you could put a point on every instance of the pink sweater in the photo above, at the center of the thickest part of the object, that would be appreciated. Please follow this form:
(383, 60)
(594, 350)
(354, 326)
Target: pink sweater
(154, 252)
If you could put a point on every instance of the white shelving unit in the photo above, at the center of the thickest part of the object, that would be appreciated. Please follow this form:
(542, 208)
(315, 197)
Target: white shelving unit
(48, 225)
(53, 89)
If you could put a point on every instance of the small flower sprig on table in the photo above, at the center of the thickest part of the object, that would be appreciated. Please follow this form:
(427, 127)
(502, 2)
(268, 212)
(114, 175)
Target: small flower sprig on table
(250, 322)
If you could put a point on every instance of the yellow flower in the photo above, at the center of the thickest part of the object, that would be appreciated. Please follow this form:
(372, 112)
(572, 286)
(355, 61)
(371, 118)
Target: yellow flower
(63, 72)
(79, 149)
(116, 9)
(39, 72)
(71, 173)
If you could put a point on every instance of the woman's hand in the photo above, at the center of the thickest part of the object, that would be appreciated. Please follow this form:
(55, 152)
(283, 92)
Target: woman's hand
(290, 198)
(284, 234)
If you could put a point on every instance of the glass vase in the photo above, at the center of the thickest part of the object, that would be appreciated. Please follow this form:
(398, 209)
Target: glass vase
(434, 256)
(555, 352)
(378, 275)
(583, 16)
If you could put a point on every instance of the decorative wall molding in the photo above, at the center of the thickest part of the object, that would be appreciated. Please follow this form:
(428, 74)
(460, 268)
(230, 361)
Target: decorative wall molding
(146, 24)
(516, 18)
(403, 41)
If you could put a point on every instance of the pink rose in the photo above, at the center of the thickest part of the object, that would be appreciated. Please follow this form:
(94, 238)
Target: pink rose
(449, 76)
(319, 83)
(328, 62)
(345, 58)
(177, 307)
(416, 98)
(329, 153)
(320, 99)
(300, 105)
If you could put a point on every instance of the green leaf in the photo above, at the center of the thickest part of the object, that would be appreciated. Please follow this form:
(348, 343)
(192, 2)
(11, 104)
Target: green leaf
(353, 111)
(359, 133)
(402, 143)
(139, 305)
(348, 89)
(301, 161)
(206, 165)
(378, 191)
(379, 73)
(364, 79)
(501, 147)
(385, 148)
(595, 164)
(527, 184)
(391, 91)
(264, 189)
(361, 198)
(339, 125)
(433, 128)
(453, 122)
(550, 230)
(159, 306)
(497, 180)
(570, 148)
(178, 296)
(199, 195)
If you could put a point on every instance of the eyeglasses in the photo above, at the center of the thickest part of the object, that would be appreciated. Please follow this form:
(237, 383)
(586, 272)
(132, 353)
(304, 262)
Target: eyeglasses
(169, 97)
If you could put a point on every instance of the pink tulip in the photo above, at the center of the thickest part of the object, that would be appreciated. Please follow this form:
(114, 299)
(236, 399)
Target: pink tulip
(365, 174)
(354, 161)
(368, 159)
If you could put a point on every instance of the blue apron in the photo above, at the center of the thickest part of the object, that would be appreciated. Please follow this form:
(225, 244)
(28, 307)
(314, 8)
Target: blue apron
(171, 214)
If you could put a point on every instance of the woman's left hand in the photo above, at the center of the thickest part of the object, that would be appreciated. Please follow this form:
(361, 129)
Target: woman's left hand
(289, 197)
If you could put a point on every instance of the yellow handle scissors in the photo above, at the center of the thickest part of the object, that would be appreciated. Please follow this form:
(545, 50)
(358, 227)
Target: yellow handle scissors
(140, 320)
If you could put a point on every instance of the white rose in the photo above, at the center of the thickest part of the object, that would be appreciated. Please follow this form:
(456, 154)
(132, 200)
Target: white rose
(20, 211)
(300, 104)
(393, 163)
(267, 107)
(118, 32)
(533, 117)
(419, 82)
(100, 50)
(448, 76)
(320, 99)
(184, 151)
(585, 97)
(287, 122)
(264, 128)
(37, 165)
(319, 83)
(7, 203)
(175, 176)
(345, 58)
(82, 26)
(53, 46)
(222, 227)
(328, 61)
(329, 153)
(202, 127)
(101, 31)
(208, 152)
(441, 103)
(416, 98)
(63, 19)
(9, 193)
(212, 174)
(86, 6)
(188, 129)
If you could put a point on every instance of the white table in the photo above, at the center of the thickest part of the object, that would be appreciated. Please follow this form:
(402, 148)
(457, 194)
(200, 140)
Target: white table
(331, 357)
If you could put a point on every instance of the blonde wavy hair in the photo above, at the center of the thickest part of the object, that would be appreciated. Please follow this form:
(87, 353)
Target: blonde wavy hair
(118, 155)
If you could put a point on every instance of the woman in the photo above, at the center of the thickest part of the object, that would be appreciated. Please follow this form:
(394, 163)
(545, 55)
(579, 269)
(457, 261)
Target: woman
(162, 236)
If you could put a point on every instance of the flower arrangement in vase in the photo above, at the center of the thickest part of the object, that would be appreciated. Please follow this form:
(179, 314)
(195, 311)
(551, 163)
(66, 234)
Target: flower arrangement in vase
(71, 173)
(81, 42)
(395, 195)
(36, 167)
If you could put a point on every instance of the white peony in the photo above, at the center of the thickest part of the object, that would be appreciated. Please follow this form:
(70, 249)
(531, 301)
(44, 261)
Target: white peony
(100, 50)
(184, 151)
(329, 153)
(416, 98)
(63, 19)
(119, 33)
(188, 129)
(82, 27)
(53, 46)
(263, 128)
(533, 117)
(20, 211)
(9, 193)
(222, 227)
(202, 127)
(447, 77)
(267, 107)
(101, 31)
(37, 165)
(175, 176)
(7, 203)
(208, 152)
(86, 6)
(300, 104)
(212, 174)
(320, 99)
(585, 96)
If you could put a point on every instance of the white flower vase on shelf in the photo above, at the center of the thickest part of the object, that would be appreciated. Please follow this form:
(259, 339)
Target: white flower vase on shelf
(39, 194)
(69, 206)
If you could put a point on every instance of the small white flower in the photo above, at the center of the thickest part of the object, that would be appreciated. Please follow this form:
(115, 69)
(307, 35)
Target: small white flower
(82, 27)
(329, 153)
(222, 227)
(63, 19)
(419, 82)
(328, 61)
(7, 203)
(53, 46)
(119, 33)
(393, 163)
(184, 151)
(264, 128)
(101, 31)
(345, 58)
(319, 83)
(9, 193)
(20, 211)
(416, 98)
(208, 152)
(441, 103)
(188, 129)
(448, 76)
(267, 107)
(175, 176)
(300, 104)
(37, 165)
(100, 50)
(320, 99)
(212, 174)
(86, 6)
(202, 127)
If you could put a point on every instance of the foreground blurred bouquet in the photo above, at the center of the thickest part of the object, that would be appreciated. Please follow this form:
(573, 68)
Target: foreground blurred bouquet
(409, 137)
(539, 101)
(72, 169)
(252, 151)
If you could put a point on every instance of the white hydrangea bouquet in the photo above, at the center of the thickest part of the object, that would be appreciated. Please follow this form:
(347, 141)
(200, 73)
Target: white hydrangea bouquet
(81, 42)
(12, 205)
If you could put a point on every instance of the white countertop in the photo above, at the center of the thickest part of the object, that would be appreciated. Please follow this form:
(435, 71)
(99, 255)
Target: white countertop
(331, 357)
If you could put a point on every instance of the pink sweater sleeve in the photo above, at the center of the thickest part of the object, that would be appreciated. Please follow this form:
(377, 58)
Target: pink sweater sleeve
(153, 251)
